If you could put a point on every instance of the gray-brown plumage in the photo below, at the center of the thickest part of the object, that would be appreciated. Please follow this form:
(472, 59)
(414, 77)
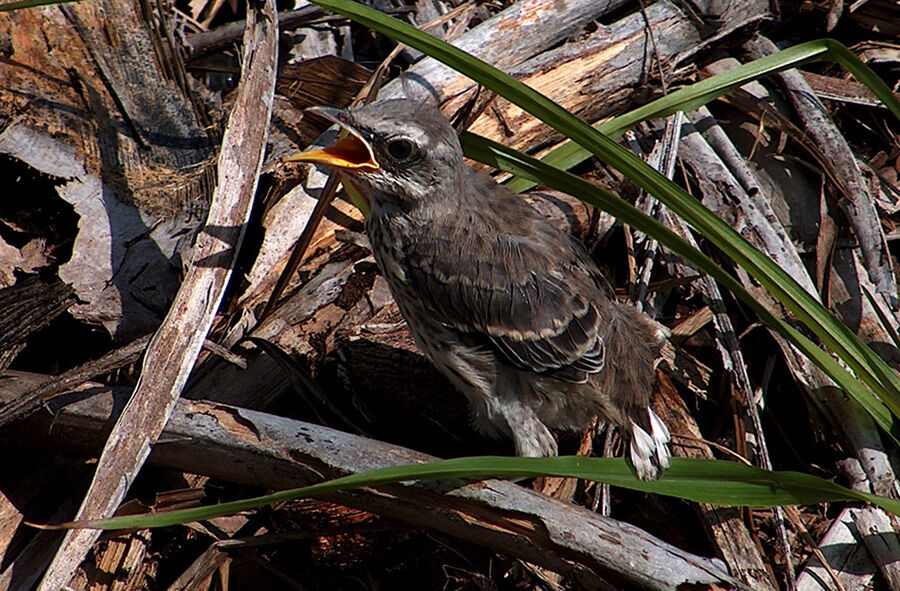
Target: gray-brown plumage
(508, 307)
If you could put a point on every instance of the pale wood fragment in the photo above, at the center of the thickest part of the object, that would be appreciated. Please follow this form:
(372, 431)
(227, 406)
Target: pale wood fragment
(606, 71)
(174, 348)
(508, 38)
(845, 554)
(878, 531)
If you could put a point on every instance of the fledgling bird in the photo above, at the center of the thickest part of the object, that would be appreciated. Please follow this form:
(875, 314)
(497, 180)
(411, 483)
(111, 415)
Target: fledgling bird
(511, 309)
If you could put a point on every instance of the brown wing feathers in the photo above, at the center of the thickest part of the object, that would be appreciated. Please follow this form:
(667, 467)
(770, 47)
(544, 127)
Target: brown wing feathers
(531, 300)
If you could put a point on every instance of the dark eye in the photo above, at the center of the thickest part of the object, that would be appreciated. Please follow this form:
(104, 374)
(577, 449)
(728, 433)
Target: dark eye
(400, 149)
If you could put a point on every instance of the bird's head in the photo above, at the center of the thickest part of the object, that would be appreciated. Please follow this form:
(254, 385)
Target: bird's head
(398, 151)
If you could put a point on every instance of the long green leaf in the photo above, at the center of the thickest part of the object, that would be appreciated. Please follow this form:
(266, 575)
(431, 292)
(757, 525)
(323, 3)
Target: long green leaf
(703, 481)
(868, 366)
(700, 93)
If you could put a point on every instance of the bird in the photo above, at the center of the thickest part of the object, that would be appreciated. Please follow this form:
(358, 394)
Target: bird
(510, 308)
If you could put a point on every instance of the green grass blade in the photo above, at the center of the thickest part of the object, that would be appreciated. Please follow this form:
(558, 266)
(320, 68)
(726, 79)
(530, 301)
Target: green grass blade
(703, 481)
(700, 93)
(837, 337)
(839, 53)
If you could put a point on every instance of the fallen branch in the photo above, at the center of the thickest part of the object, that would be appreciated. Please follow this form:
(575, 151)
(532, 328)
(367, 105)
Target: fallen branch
(256, 448)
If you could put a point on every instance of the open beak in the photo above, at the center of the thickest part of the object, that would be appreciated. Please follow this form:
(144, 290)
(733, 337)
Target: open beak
(350, 153)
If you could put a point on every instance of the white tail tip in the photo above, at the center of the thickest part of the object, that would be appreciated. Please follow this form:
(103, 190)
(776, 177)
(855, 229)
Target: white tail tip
(650, 451)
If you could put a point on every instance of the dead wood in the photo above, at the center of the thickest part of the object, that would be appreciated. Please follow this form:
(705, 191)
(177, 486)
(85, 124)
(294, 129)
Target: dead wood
(855, 424)
(726, 529)
(724, 524)
(876, 528)
(846, 556)
(240, 445)
(130, 151)
(174, 348)
(607, 71)
(136, 166)
(844, 171)
(201, 569)
(755, 212)
(327, 80)
(31, 398)
(205, 43)
(505, 40)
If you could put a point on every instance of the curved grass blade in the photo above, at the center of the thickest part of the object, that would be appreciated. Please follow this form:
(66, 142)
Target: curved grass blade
(700, 93)
(703, 481)
(837, 337)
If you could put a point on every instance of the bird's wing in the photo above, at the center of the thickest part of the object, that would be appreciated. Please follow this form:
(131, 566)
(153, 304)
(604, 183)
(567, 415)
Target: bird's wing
(522, 286)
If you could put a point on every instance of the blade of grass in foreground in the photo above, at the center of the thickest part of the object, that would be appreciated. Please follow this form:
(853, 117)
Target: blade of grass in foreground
(703, 481)
(837, 337)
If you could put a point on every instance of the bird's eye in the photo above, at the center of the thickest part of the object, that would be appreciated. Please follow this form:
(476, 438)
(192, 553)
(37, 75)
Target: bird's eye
(400, 149)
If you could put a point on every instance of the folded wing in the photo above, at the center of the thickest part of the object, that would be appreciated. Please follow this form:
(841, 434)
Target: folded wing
(531, 293)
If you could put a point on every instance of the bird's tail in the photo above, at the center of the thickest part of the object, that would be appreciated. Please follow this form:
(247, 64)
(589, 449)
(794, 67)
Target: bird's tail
(649, 451)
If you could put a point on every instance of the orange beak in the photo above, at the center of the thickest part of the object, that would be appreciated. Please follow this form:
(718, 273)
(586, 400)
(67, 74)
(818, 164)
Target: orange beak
(352, 152)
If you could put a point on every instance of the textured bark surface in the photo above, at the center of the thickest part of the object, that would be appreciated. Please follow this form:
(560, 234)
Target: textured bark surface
(92, 97)
(256, 448)
(110, 143)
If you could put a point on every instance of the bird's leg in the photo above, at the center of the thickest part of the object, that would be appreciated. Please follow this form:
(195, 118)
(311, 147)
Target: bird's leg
(530, 436)
(534, 440)
(495, 414)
